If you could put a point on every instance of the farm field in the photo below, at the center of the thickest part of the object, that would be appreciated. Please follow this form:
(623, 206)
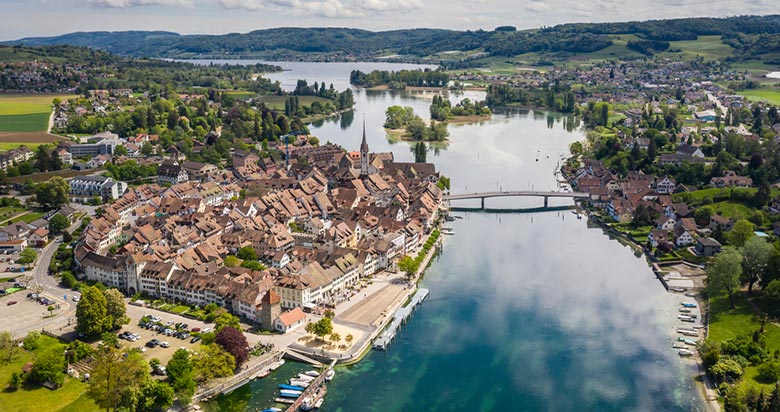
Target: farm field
(768, 95)
(26, 113)
(11, 140)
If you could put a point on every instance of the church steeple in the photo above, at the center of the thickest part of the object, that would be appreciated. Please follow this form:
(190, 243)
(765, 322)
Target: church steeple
(364, 152)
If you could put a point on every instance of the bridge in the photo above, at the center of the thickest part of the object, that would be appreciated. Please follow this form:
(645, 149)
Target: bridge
(519, 193)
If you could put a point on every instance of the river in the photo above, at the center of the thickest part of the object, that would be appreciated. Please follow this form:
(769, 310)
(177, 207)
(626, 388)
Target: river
(527, 312)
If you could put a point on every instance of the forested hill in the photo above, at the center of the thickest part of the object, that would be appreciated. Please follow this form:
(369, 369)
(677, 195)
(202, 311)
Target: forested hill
(344, 43)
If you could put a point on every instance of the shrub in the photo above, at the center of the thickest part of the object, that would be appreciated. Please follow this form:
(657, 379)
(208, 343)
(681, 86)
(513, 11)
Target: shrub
(32, 341)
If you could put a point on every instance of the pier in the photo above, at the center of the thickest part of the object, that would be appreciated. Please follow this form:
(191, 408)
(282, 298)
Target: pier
(399, 318)
(314, 391)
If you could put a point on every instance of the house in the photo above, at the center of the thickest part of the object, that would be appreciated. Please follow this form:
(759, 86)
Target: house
(657, 236)
(665, 186)
(171, 173)
(290, 320)
(682, 237)
(707, 246)
(39, 237)
(718, 220)
(13, 246)
(665, 223)
(689, 150)
(730, 179)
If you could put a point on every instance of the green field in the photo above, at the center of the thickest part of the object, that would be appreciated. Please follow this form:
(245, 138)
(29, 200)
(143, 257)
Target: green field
(768, 95)
(277, 102)
(26, 113)
(70, 397)
(708, 47)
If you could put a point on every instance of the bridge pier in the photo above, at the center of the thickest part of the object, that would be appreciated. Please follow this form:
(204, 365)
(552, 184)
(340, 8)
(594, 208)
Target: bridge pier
(545, 201)
(483, 203)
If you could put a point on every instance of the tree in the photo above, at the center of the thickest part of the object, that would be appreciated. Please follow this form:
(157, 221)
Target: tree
(420, 150)
(703, 215)
(115, 308)
(349, 338)
(723, 274)
(68, 280)
(335, 337)
(91, 313)
(181, 376)
(8, 346)
(49, 367)
(211, 361)
(323, 327)
(740, 233)
(117, 378)
(58, 223)
(53, 194)
(407, 265)
(154, 396)
(247, 253)
(234, 342)
(230, 261)
(28, 256)
(726, 370)
(226, 319)
(756, 254)
(32, 340)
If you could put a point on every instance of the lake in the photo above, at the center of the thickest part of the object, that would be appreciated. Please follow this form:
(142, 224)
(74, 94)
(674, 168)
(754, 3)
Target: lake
(527, 312)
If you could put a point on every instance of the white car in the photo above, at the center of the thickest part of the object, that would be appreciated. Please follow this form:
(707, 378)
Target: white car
(205, 330)
(165, 345)
(170, 322)
(76, 298)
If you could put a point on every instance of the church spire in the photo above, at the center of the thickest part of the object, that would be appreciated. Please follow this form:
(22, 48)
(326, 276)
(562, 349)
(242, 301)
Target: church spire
(364, 152)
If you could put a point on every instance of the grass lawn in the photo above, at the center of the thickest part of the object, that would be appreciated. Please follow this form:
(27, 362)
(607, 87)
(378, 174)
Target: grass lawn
(732, 210)
(29, 217)
(10, 211)
(180, 309)
(769, 95)
(70, 397)
(727, 323)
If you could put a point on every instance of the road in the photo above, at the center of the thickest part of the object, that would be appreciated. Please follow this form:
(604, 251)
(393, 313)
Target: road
(65, 315)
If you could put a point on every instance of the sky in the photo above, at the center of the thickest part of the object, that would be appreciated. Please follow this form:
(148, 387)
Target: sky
(27, 18)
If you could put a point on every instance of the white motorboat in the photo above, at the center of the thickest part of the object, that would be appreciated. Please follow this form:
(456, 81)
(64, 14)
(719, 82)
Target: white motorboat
(312, 373)
(329, 375)
(685, 352)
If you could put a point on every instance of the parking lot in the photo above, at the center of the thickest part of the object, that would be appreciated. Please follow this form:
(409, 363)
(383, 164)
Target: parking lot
(163, 354)
(24, 312)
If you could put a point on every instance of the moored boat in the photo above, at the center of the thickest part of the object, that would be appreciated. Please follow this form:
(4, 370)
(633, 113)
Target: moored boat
(288, 393)
(329, 375)
(302, 384)
(688, 305)
(312, 373)
(283, 400)
(304, 377)
(291, 387)
(685, 352)
(271, 410)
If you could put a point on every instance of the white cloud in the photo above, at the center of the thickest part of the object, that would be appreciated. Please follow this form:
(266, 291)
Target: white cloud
(135, 3)
(391, 5)
(325, 8)
(537, 7)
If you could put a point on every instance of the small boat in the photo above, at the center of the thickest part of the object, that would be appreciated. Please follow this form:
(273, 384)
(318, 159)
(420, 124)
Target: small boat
(680, 290)
(684, 317)
(312, 373)
(574, 212)
(277, 365)
(283, 400)
(691, 294)
(688, 332)
(307, 404)
(685, 352)
(685, 310)
(263, 374)
(319, 403)
(305, 377)
(579, 215)
(271, 410)
(688, 305)
(679, 346)
(329, 375)
(291, 387)
(691, 342)
(287, 393)
(302, 384)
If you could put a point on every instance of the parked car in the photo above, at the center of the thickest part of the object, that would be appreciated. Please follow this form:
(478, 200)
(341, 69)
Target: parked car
(76, 298)
(195, 339)
(165, 344)
(11, 302)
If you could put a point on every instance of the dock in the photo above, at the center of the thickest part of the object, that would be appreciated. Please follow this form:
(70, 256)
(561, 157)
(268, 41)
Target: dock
(315, 391)
(399, 317)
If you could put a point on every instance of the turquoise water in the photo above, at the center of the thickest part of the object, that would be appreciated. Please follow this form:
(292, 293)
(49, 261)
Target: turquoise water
(527, 312)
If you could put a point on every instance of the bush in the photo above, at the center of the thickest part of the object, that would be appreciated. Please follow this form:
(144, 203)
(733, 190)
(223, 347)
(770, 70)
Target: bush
(32, 341)
(768, 372)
